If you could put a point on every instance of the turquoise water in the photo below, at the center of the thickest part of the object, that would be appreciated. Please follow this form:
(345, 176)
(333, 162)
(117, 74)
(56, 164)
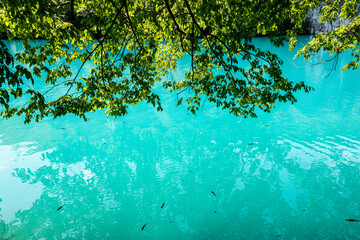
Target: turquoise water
(291, 174)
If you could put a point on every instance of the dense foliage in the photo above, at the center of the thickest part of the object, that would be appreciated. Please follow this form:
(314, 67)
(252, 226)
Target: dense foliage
(134, 44)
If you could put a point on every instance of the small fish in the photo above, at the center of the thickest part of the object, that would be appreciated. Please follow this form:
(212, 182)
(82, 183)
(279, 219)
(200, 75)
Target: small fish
(170, 222)
(352, 220)
(304, 210)
(60, 207)
(143, 227)
(124, 122)
(252, 143)
(213, 193)
(190, 171)
(266, 125)
(279, 235)
(62, 128)
(162, 205)
(214, 211)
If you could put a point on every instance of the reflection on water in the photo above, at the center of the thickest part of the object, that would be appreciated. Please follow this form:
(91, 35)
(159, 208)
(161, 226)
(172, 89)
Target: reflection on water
(290, 174)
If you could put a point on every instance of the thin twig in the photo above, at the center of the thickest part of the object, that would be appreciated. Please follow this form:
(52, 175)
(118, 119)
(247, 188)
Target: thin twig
(100, 43)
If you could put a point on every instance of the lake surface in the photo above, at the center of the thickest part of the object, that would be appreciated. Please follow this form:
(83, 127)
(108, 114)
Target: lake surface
(291, 174)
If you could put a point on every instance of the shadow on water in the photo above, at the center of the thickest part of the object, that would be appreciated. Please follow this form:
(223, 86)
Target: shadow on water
(4, 233)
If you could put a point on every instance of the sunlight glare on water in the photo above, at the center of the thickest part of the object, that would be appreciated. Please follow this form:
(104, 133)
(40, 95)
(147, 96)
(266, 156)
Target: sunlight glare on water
(291, 174)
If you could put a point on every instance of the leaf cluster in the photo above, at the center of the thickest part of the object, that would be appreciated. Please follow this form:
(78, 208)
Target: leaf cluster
(126, 48)
(340, 39)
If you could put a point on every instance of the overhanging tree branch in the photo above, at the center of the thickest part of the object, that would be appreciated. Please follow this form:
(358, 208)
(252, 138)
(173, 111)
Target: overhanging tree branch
(177, 28)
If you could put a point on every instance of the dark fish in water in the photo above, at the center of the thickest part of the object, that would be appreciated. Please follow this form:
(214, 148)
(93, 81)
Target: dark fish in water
(278, 235)
(352, 220)
(162, 205)
(61, 128)
(252, 143)
(143, 227)
(266, 125)
(60, 207)
(214, 211)
(213, 193)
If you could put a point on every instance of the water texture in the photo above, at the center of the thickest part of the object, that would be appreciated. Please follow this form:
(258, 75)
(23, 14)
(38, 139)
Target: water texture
(291, 174)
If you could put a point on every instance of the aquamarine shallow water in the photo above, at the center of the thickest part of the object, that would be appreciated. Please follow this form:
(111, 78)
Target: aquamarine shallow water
(291, 174)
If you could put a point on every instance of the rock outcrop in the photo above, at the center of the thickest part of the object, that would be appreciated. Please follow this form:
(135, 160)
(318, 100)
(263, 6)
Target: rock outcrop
(313, 25)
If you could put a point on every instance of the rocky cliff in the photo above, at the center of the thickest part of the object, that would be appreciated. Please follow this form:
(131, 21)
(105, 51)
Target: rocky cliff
(313, 25)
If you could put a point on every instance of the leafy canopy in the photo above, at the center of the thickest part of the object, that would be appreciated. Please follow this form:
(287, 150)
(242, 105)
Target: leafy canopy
(134, 44)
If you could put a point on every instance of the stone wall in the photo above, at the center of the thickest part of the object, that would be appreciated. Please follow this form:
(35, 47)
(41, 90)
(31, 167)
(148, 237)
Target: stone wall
(313, 25)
